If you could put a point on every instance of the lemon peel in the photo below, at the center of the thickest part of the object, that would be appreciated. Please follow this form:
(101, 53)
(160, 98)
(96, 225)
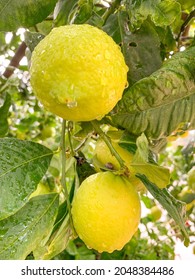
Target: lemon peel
(78, 72)
(106, 211)
(103, 156)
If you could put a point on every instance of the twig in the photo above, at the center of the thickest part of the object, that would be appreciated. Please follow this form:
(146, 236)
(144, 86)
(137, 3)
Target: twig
(69, 138)
(63, 179)
(184, 25)
(82, 144)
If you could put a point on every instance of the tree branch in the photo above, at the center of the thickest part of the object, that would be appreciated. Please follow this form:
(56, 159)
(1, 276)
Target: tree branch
(14, 63)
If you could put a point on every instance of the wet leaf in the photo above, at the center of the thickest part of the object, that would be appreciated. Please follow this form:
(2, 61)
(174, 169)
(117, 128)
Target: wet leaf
(84, 12)
(21, 233)
(162, 12)
(62, 11)
(32, 39)
(141, 48)
(158, 175)
(158, 104)
(23, 13)
(22, 165)
(57, 243)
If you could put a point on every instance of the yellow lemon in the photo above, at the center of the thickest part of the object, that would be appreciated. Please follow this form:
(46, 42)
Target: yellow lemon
(156, 213)
(78, 72)
(104, 157)
(191, 178)
(106, 211)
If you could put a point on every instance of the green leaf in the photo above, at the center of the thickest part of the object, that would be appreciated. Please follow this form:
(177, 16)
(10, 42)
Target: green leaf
(23, 13)
(141, 49)
(2, 42)
(83, 167)
(63, 209)
(162, 12)
(84, 11)
(21, 233)
(174, 207)
(61, 234)
(158, 104)
(4, 110)
(186, 4)
(44, 27)
(32, 39)
(158, 175)
(22, 165)
(142, 152)
(168, 42)
(86, 129)
(147, 201)
(63, 11)
(128, 142)
(57, 243)
(112, 28)
(84, 253)
(80, 252)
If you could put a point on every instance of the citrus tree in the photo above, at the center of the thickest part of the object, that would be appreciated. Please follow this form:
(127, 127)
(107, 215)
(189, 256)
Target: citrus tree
(95, 100)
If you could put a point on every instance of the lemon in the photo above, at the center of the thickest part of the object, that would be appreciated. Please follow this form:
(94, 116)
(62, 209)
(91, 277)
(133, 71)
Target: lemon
(106, 211)
(78, 72)
(103, 156)
(156, 213)
(191, 178)
(47, 132)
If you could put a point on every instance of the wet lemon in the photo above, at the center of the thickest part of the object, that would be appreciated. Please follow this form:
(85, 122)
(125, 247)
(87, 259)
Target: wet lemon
(106, 211)
(78, 72)
(103, 156)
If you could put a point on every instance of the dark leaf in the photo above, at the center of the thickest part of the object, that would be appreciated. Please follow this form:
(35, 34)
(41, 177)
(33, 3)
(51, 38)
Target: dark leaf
(84, 169)
(141, 48)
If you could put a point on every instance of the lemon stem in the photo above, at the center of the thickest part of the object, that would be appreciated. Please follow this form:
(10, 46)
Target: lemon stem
(70, 126)
(63, 179)
(108, 142)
